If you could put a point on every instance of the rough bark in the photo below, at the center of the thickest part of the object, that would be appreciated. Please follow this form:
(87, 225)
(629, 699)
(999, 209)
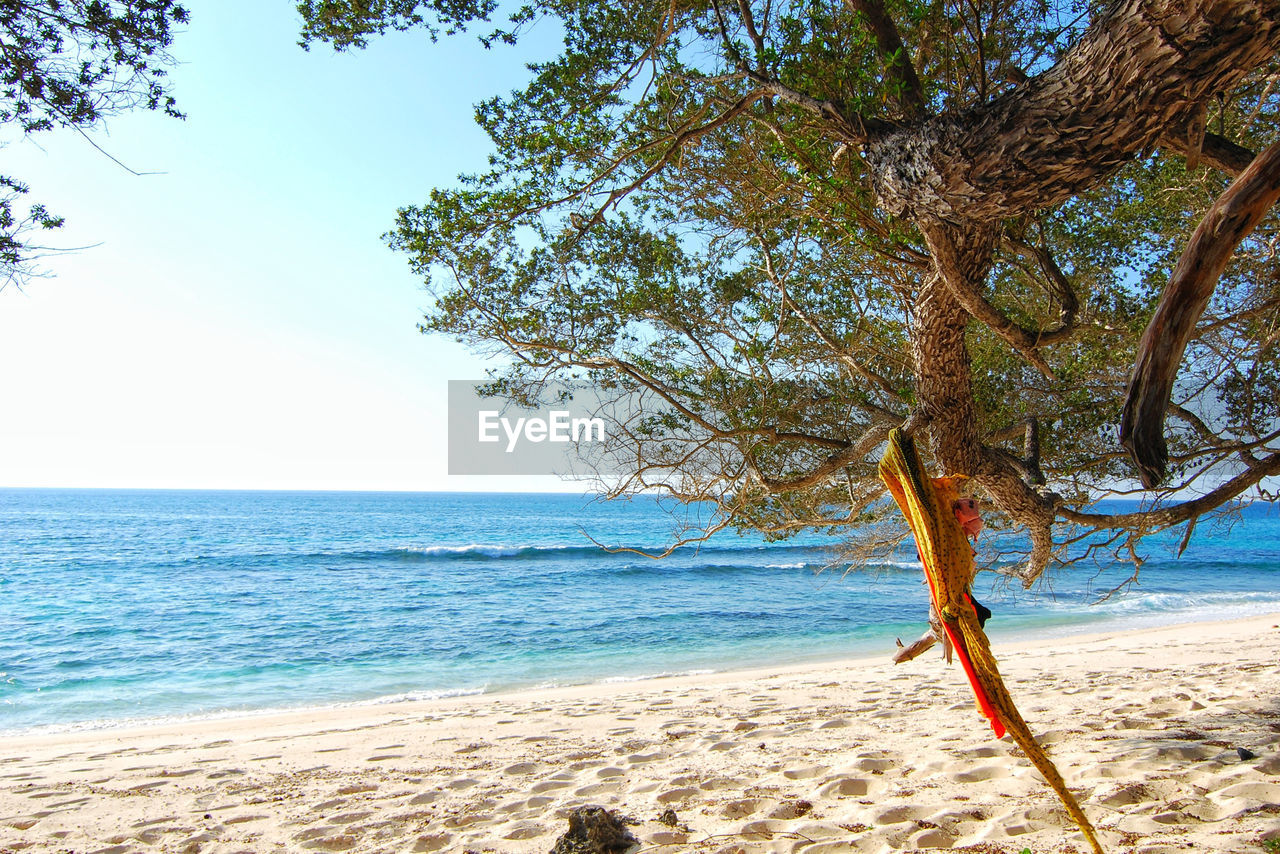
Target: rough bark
(1140, 70)
(1231, 218)
(1140, 75)
(962, 257)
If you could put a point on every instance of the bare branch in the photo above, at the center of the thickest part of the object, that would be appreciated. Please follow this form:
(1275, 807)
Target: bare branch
(1166, 517)
(855, 452)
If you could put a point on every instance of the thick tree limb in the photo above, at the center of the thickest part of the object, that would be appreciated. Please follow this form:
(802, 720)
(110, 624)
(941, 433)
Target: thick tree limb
(1166, 517)
(965, 289)
(900, 67)
(1139, 71)
(1216, 151)
(1231, 218)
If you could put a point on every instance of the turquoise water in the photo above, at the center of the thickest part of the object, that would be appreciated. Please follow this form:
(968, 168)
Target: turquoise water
(126, 605)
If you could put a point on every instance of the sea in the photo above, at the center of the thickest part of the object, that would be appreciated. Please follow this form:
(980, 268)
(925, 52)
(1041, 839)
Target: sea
(120, 608)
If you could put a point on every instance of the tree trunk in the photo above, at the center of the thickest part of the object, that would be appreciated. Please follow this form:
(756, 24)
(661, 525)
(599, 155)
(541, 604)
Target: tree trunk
(944, 386)
(962, 257)
(1143, 70)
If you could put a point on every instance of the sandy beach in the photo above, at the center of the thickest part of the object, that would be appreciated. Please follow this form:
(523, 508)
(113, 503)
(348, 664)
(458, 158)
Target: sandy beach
(862, 756)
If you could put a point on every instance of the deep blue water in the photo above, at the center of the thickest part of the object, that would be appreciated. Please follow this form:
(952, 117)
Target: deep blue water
(129, 605)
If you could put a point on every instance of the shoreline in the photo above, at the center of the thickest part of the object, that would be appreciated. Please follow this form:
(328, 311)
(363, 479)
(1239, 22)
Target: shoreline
(1013, 640)
(857, 755)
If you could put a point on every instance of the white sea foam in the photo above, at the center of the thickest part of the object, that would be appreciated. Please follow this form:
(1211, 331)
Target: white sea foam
(240, 714)
(478, 549)
(666, 674)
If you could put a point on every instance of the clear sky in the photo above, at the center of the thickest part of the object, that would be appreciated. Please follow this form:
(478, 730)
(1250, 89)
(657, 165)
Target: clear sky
(240, 322)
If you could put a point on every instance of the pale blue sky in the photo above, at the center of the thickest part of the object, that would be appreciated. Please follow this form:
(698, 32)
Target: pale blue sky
(242, 324)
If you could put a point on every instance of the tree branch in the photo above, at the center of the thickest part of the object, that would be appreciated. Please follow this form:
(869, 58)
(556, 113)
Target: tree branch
(1216, 151)
(1229, 220)
(948, 266)
(1166, 517)
(1135, 74)
(855, 452)
(1063, 292)
(900, 68)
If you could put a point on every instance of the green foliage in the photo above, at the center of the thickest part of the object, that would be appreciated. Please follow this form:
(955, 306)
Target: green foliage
(665, 212)
(71, 64)
(350, 23)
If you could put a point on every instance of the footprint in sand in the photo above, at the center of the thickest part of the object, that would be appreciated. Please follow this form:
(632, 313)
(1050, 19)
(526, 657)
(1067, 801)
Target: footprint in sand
(328, 805)
(432, 842)
(1264, 793)
(74, 802)
(789, 810)
(357, 788)
(463, 783)
(763, 830)
(339, 842)
(154, 821)
(896, 814)
(846, 787)
(807, 772)
(525, 830)
(981, 774)
(40, 794)
(874, 764)
(676, 796)
(744, 807)
(596, 789)
(520, 769)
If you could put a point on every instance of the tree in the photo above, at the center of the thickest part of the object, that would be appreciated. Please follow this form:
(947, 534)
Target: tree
(71, 64)
(798, 223)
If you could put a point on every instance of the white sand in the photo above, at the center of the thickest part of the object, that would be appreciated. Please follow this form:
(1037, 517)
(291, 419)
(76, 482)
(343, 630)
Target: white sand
(857, 756)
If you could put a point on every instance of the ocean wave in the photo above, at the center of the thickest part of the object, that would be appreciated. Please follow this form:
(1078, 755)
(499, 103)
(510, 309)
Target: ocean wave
(417, 696)
(135, 722)
(1154, 603)
(498, 551)
(666, 674)
(487, 551)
